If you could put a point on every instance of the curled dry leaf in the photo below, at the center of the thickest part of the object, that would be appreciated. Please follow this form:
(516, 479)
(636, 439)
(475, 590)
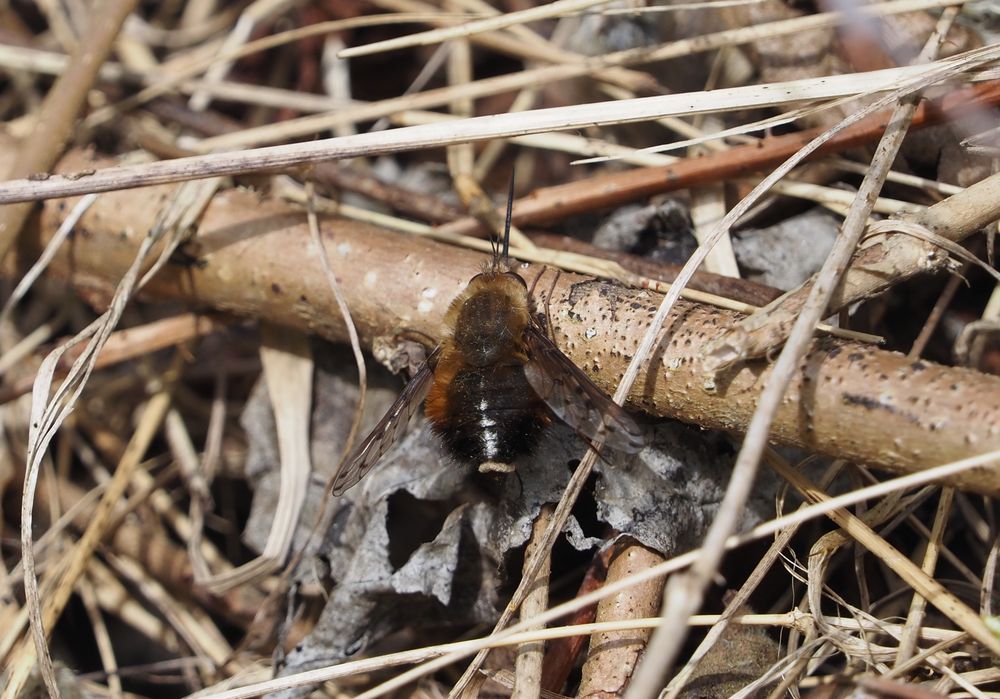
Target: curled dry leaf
(424, 540)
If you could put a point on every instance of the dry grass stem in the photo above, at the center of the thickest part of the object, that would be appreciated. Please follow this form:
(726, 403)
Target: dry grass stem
(44, 610)
(935, 593)
(685, 593)
(611, 189)
(916, 614)
(738, 601)
(552, 9)
(614, 654)
(123, 345)
(380, 309)
(528, 664)
(475, 129)
(329, 169)
(458, 651)
(57, 118)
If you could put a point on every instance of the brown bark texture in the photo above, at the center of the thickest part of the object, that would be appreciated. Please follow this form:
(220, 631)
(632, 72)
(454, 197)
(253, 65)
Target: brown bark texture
(252, 258)
(613, 655)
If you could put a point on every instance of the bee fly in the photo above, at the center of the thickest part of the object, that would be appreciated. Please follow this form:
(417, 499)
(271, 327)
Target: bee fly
(494, 383)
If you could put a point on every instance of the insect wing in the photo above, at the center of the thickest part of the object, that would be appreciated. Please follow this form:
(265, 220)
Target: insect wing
(574, 398)
(388, 430)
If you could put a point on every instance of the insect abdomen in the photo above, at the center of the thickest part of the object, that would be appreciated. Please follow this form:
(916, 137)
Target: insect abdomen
(487, 414)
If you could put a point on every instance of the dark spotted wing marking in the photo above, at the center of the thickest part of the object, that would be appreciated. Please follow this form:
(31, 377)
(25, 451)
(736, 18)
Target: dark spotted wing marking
(388, 430)
(574, 398)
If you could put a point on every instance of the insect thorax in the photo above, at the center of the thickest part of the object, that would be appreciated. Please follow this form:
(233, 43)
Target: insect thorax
(489, 319)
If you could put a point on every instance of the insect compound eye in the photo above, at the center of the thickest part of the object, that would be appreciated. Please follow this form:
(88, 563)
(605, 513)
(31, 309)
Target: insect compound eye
(518, 277)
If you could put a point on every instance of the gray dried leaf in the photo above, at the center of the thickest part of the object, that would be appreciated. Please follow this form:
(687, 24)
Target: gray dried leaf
(786, 254)
(423, 541)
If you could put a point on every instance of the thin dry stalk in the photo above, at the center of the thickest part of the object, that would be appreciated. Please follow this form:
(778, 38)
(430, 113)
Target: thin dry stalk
(508, 19)
(739, 600)
(192, 623)
(685, 592)
(528, 664)
(130, 343)
(44, 609)
(56, 121)
(918, 605)
(29, 278)
(523, 42)
(613, 655)
(253, 15)
(561, 654)
(319, 250)
(481, 128)
(105, 647)
(457, 651)
(613, 189)
(176, 76)
(935, 593)
(48, 414)
(841, 422)
(940, 306)
(115, 599)
(311, 125)
(461, 156)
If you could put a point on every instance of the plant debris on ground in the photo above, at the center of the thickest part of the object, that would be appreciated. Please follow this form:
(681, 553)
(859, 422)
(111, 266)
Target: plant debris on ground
(231, 231)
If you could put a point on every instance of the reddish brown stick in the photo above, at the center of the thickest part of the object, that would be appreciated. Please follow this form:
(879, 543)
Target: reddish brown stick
(617, 188)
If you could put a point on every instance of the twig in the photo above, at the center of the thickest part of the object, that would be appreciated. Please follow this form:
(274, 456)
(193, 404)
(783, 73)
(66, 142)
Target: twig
(458, 651)
(521, 41)
(918, 605)
(475, 129)
(57, 118)
(685, 593)
(507, 19)
(513, 81)
(613, 655)
(940, 306)
(61, 586)
(561, 654)
(840, 421)
(528, 664)
(617, 188)
(123, 345)
(256, 13)
(882, 262)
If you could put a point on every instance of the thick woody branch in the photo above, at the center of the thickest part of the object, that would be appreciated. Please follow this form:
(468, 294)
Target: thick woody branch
(849, 400)
(879, 264)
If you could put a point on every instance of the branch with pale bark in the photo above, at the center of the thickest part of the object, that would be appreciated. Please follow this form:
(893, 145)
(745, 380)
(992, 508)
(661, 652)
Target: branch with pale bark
(849, 400)
(884, 260)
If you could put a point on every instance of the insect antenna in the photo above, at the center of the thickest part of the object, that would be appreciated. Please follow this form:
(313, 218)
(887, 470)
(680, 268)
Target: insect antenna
(495, 247)
(506, 221)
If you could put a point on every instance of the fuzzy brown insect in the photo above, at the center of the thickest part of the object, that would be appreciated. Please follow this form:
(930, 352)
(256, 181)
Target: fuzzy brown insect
(494, 383)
